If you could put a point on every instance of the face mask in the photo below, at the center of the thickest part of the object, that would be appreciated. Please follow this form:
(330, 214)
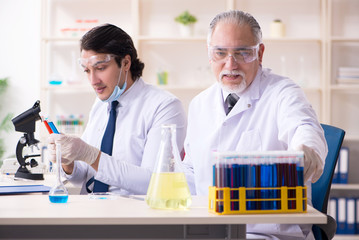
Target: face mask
(117, 92)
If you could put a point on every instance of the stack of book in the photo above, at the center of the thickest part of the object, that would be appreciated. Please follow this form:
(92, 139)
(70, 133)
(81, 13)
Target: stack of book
(345, 211)
(341, 169)
(348, 75)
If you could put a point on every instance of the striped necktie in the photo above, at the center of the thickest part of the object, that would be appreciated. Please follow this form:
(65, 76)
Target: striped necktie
(231, 100)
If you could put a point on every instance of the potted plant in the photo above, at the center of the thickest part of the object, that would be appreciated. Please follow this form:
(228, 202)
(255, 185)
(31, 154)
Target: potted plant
(186, 21)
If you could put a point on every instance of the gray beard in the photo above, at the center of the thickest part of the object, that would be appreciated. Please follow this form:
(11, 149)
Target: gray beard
(239, 88)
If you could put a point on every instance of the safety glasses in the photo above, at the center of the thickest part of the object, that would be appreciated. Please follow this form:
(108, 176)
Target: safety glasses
(94, 60)
(239, 54)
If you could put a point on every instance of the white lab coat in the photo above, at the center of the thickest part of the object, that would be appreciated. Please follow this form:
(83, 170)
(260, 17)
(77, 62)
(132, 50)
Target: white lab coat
(272, 114)
(141, 111)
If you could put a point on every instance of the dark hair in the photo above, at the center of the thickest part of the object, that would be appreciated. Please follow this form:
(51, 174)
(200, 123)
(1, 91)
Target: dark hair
(113, 40)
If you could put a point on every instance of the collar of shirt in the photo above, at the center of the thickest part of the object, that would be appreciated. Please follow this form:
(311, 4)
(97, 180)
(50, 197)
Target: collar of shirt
(225, 94)
(124, 99)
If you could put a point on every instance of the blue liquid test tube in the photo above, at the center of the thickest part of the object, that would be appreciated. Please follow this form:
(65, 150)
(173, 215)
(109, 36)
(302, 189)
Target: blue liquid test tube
(53, 128)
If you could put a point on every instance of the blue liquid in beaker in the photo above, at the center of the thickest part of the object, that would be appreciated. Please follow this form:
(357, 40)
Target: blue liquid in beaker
(55, 82)
(58, 199)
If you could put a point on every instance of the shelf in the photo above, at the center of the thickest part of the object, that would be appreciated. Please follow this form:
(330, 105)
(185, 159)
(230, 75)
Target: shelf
(204, 38)
(69, 88)
(311, 89)
(345, 39)
(173, 39)
(291, 39)
(345, 87)
(346, 237)
(345, 186)
(182, 88)
(351, 138)
(61, 39)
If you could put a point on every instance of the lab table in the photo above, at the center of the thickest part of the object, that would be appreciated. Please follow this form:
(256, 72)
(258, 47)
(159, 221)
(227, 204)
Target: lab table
(127, 217)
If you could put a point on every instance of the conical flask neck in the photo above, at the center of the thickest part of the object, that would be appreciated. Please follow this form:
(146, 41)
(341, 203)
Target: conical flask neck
(168, 153)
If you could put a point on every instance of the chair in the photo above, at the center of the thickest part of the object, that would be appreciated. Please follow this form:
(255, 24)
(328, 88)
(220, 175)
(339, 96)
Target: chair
(334, 137)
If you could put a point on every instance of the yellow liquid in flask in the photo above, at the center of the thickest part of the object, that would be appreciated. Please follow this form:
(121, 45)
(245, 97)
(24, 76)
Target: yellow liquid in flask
(168, 190)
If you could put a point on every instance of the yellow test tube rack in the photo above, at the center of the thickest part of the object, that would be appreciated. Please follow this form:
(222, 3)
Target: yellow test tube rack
(221, 202)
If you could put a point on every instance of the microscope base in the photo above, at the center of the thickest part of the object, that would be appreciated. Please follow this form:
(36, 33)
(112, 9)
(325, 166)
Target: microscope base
(24, 173)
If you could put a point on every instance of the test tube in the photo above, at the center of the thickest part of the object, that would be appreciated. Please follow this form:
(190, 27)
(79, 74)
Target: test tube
(300, 169)
(265, 181)
(251, 183)
(274, 181)
(293, 178)
(235, 175)
(219, 176)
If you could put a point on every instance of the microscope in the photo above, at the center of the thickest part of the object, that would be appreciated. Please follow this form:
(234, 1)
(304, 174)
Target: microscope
(25, 123)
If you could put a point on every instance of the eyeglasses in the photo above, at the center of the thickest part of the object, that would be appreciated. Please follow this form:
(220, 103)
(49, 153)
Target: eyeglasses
(94, 60)
(239, 54)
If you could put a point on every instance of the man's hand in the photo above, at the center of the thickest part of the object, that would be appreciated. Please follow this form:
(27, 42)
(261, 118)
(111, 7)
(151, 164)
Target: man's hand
(72, 148)
(313, 165)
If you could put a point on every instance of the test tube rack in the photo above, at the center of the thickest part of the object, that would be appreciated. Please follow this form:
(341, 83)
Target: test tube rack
(258, 182)
(221, 202)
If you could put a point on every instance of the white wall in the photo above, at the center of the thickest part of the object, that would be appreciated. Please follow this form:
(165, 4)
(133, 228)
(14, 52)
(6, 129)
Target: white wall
(19, 60)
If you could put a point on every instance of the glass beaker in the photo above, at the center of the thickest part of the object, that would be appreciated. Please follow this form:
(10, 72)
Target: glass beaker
(168, 188)
(58, 193)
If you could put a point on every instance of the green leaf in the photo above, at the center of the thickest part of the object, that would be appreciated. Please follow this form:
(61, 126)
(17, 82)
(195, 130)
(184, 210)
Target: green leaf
(3, 84)
(186, 18)
(6, 123)
(2, 148)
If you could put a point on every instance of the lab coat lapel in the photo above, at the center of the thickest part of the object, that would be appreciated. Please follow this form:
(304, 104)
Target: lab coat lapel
(218, 104)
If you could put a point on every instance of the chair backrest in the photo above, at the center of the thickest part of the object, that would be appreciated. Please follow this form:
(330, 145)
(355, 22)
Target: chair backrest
(321, 189)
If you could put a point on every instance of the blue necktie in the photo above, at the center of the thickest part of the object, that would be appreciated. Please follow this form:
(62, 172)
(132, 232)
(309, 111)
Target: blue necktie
(107, 139)
(106, 147)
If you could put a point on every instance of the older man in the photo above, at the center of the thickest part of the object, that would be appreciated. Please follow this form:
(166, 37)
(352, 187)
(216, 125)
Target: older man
(250, 108)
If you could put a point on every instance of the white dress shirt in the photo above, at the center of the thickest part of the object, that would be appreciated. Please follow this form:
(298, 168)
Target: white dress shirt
(141, 111)
(272, 114)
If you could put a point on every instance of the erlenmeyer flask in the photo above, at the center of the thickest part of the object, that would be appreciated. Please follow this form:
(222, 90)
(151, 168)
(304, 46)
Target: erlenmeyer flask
(168, 187)
(58, 193)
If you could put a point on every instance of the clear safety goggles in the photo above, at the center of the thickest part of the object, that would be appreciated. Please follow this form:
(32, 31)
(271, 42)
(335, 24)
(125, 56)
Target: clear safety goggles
(239, 54)
(94, 60)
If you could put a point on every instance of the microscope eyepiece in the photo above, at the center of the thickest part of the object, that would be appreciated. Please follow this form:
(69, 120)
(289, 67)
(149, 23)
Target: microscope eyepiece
(25, 122)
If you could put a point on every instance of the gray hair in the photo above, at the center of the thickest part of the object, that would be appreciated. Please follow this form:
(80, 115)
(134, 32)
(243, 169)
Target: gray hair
(239, 18)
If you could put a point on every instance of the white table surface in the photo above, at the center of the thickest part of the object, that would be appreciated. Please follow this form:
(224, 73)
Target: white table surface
(81, 210)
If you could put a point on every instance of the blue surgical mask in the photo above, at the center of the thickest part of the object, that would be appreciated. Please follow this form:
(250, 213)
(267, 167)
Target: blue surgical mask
(117, 91)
